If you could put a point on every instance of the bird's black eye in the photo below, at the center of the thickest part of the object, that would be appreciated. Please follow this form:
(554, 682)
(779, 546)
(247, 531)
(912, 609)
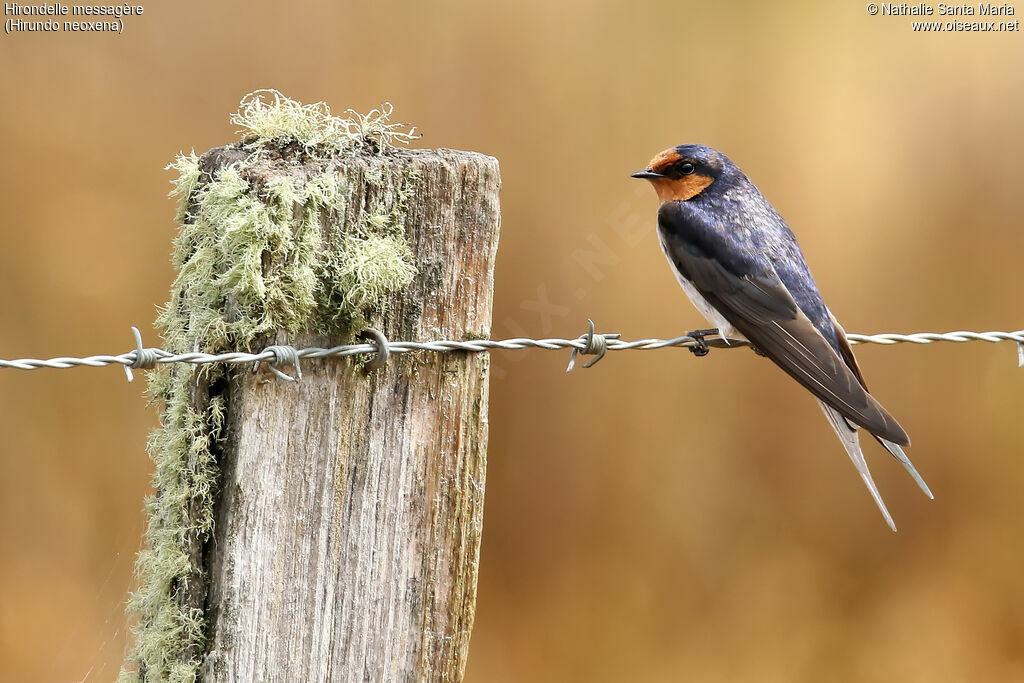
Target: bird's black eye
(687, 168)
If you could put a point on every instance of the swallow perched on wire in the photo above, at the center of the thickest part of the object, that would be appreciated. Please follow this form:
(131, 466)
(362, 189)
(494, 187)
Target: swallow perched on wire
(741, 267)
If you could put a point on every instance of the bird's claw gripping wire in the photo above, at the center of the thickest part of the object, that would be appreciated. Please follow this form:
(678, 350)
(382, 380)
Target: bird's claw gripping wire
(700, 346)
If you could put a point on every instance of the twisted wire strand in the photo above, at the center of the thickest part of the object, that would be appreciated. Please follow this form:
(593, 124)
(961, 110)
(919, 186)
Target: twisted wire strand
(590, 342)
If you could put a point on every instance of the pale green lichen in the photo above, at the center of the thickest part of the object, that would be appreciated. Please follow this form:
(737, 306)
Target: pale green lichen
(245, 264)
(269, 116)
(261, 250)
(187, 167)
(370, 268)
(324, 191)
(180, 517)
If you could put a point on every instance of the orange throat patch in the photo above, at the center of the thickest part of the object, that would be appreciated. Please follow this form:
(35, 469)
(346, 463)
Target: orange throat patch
(681, 190)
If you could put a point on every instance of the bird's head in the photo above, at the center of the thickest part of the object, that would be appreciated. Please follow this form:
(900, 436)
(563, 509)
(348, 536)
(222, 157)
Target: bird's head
(682, 173)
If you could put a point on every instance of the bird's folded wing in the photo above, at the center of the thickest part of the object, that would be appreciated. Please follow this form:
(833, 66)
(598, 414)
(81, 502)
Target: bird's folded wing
(760, 306)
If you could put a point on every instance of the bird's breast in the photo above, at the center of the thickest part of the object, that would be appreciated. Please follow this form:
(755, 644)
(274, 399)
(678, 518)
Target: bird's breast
(709, 312)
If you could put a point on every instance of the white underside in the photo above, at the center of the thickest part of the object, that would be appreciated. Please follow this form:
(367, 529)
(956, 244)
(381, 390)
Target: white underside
(716, 319)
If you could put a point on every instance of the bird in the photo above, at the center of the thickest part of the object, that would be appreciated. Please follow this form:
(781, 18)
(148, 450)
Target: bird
(741, 267)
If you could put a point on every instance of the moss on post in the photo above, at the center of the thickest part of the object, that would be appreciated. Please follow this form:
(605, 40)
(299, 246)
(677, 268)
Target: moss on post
(297, 230)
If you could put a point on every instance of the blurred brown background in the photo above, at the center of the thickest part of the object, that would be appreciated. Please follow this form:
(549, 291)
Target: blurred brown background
(654, 518)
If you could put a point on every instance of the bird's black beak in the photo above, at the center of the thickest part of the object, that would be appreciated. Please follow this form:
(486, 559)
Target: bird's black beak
(647, 174)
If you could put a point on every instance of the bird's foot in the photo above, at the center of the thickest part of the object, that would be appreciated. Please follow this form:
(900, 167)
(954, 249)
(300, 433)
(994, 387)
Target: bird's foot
(700, 348)
(758, 351)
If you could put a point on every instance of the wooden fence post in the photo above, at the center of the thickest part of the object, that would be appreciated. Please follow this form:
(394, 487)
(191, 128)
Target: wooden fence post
(343, 511)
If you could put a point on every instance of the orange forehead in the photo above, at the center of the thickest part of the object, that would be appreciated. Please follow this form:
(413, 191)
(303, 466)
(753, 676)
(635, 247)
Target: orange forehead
(664, 160)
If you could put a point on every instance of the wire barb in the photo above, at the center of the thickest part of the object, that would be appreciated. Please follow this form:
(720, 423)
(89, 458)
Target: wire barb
(593, 344)
(382, 352)
(144, 359)
(281, 354)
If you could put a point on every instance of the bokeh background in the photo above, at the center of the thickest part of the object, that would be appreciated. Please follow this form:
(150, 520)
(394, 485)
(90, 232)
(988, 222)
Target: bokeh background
(654, 518)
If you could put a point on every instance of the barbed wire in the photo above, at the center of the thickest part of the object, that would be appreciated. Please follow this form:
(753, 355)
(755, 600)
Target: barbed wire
(380, 348)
